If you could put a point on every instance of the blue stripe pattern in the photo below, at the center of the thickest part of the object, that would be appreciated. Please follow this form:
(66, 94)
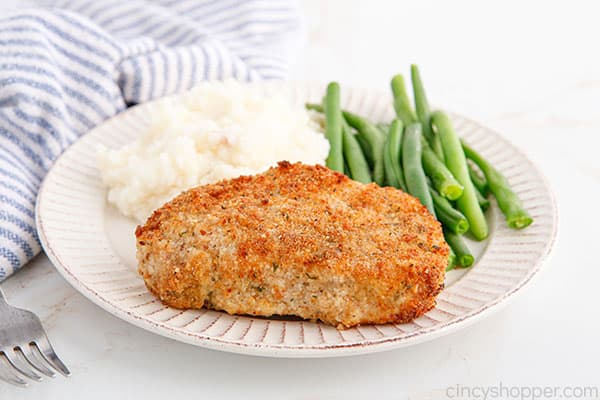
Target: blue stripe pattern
(68, 65)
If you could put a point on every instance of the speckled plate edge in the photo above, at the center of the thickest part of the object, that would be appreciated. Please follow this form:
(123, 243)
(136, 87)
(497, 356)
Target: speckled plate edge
(82, 253)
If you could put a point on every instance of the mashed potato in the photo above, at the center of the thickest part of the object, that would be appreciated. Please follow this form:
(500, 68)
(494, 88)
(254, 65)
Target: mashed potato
(216, 131)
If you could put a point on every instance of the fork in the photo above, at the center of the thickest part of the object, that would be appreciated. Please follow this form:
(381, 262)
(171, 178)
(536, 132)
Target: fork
(25, 351)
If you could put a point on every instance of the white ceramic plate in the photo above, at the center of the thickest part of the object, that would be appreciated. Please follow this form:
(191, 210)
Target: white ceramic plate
(93, 247)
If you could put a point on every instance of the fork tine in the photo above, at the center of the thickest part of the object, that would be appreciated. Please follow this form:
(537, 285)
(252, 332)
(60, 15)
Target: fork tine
(22, 367)
(45, 349)
(7, 373)
(14, 379)
(35, 361)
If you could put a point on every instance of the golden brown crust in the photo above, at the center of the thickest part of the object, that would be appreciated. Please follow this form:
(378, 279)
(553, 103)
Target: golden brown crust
(296, 240)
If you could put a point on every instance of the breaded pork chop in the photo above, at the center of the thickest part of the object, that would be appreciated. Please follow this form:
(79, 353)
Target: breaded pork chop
(296, 240)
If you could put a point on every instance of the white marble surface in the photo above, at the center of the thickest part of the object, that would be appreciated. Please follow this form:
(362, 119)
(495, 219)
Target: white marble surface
(531, 71)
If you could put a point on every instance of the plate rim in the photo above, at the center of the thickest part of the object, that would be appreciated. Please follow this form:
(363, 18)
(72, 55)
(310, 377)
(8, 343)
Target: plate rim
(289, 351)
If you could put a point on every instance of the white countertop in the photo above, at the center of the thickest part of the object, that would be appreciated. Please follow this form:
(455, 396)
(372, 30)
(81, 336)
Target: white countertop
(531, 72)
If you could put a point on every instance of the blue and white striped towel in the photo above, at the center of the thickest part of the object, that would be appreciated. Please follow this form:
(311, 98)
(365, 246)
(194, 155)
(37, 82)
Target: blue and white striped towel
(70, 65)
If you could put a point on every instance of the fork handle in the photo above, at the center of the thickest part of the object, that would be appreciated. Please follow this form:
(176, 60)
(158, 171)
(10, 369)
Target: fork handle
(2, 298)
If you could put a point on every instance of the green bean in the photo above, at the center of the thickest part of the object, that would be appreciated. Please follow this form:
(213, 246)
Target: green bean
(391, 156)
(376, 140)
(464, 258)
(359, 123)
(508, 201)
(364, 144)
(395, 134)
(423, 112)
(401, 103)
(442, 179)
(333, 127)
(414, 176)
(357, 163)
(457, 164)
(366, 149)
(391, 179)
(451, 218)
(362, 124)
(421, 103)
(484, 203)
(480, 182)
(451, 260)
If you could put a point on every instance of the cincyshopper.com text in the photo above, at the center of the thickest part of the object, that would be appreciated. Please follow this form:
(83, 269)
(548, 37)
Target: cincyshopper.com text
(506, 392)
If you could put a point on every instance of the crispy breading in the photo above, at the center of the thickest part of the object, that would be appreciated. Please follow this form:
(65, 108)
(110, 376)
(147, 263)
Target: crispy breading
(296, 240)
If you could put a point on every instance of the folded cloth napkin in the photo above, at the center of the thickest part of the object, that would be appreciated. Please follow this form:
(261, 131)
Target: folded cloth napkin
(69, 65)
